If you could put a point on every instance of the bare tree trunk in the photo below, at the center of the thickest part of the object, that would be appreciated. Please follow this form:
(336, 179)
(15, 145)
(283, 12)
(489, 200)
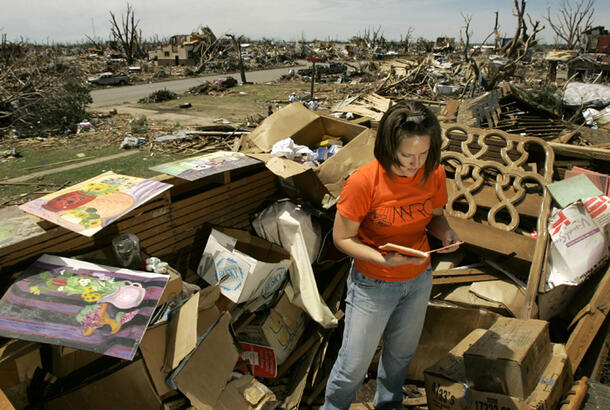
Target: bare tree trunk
(240, 61)
(127, 34)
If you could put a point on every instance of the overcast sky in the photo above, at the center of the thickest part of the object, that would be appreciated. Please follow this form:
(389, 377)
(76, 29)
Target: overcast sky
(69, 21)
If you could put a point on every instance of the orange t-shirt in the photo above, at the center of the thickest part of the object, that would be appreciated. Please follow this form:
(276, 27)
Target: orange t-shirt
(392, 210)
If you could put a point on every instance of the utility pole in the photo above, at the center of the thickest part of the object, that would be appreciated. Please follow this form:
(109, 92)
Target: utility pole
(313, 60)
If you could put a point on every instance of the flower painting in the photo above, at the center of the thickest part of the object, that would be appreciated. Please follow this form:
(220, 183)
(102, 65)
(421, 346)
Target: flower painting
(201, 166)
(91, 205)
(81, 305)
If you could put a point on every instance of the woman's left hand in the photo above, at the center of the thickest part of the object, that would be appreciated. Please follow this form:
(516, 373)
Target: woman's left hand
(449, 237)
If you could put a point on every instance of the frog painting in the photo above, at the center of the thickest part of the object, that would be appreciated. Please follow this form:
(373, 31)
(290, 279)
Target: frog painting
(81, 305)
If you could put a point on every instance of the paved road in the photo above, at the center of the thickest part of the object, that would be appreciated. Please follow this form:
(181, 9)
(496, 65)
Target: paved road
(132, 93)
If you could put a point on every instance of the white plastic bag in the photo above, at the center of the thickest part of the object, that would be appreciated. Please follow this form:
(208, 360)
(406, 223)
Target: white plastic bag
(578, 242)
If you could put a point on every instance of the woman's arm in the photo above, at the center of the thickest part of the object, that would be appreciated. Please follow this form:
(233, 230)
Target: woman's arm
(439, 228)
(345, 236)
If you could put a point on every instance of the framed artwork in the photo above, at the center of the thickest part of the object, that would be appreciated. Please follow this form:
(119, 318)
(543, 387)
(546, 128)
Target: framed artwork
(81, 305)
(201, 166)
(89, 206)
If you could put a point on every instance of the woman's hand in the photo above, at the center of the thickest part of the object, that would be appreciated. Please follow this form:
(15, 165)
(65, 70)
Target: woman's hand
(396, 259)
(449, 237)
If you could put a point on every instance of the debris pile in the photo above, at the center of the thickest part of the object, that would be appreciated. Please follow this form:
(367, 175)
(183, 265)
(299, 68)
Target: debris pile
(216, 284)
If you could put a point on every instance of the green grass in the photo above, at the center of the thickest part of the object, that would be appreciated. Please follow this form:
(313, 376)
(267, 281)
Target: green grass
(134, 165)
(255, 99)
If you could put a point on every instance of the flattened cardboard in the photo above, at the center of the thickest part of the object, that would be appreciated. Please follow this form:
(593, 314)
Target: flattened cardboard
(555, 381)
(256, 267)
(182, 333)
(153, 347)
(128, 388)
(510, 357)
(445, 381)
(154, 344)
(245, 393)
(209, 368)
(321, 186)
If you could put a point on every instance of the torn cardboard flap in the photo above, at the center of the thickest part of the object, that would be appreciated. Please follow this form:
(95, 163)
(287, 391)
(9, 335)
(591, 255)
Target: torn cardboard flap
(285, 122)
(207, 371)
(182, 333)
(155, 345)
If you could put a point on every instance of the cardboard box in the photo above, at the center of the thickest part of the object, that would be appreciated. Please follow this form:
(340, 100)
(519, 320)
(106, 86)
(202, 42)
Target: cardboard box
(128, 388)
(447, 387)
(510, 357)
(18, 361)
(256, 267)
(445, 381)
(321, 186)
(65, 360)
(280, 328)
(554, 382)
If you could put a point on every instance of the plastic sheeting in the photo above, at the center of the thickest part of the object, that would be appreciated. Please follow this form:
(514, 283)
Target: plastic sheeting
(286, 224)
(588, 95)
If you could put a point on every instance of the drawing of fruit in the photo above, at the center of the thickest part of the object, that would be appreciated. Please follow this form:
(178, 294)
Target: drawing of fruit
(111, 204)
(68, 201)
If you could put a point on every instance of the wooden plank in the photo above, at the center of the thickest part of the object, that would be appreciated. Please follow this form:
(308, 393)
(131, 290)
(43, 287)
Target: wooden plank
(580, 152)
(590, 320)
(494, 239)
(459, 272)
(158, 213)
(464, 279)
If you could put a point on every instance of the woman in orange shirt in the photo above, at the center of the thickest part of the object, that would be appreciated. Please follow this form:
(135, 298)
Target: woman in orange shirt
(399, 198)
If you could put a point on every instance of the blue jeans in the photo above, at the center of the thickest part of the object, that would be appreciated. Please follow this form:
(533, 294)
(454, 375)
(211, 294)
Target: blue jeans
(375, 309)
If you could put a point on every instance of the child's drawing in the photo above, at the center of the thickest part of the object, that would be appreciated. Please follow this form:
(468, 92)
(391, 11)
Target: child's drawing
(204, 165)
(93, 204)
(81, 305)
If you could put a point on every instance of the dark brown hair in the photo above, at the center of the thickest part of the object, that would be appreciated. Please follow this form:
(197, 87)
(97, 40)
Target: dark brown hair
(403, 120)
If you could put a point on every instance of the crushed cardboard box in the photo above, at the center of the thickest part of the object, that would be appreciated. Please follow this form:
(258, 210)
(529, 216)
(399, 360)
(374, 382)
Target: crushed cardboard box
(509, 358)
(280, 328)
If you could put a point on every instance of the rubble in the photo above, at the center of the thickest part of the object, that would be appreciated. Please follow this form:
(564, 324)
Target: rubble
(511, 130)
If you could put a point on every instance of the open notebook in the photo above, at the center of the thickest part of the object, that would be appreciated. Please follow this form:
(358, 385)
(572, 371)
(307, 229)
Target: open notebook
(392, 247)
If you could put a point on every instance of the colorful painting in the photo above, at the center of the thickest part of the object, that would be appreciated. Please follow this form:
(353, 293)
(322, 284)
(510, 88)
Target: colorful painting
(16, 226)
(81, 305)
(205, 165)
(95, 203)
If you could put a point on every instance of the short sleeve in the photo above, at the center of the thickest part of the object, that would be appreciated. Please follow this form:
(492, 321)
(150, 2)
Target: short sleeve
(355, 199)
(439, 198)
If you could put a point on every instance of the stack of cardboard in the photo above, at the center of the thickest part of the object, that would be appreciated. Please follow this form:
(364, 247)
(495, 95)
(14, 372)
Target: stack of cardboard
(512, 365)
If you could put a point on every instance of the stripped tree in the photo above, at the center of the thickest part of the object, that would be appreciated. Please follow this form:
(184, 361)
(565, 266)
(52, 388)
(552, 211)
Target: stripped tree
(128, 35)
(574, 17)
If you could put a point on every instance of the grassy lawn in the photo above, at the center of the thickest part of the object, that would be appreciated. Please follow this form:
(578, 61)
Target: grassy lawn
(244, 100)
(236, 105)
(136, 165)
